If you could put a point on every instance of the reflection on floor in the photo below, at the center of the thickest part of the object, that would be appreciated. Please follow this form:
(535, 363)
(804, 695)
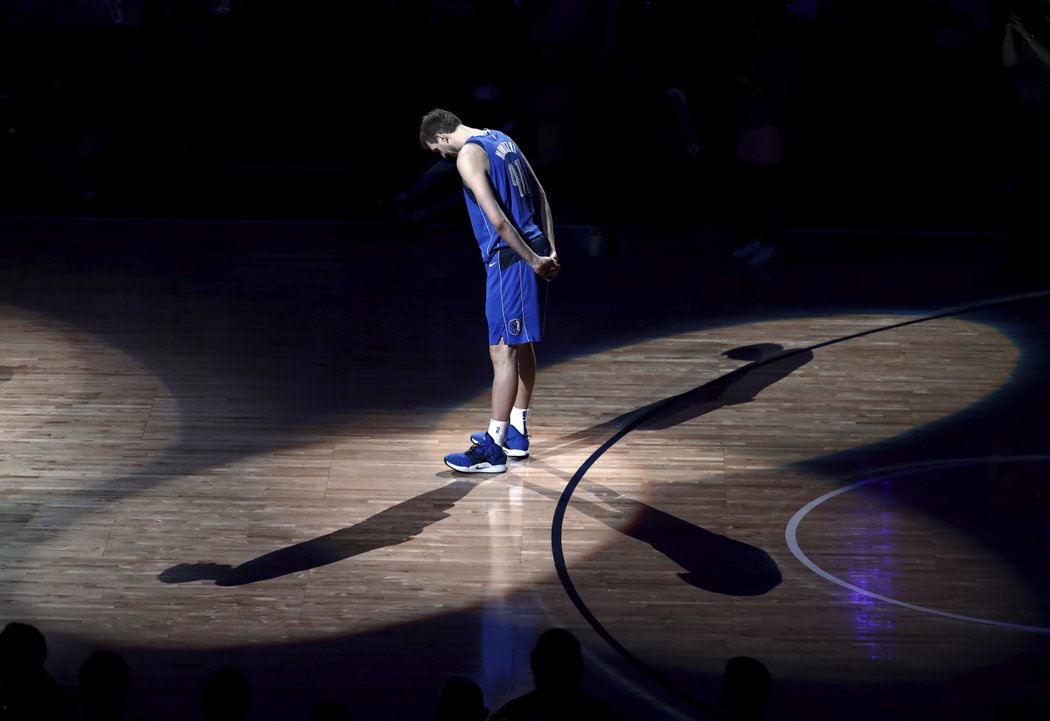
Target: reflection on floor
(220, 444)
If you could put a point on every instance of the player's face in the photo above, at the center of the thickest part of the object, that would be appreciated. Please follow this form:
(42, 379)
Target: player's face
(443, 147)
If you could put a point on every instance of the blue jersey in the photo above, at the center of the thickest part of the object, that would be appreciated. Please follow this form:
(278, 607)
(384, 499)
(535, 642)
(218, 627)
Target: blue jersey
(513, 185)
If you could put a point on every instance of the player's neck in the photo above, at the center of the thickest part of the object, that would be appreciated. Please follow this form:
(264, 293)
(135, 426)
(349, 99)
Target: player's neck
(468, 132)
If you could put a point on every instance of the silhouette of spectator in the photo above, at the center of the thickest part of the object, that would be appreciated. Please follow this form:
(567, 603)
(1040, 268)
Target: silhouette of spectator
(460, 700)
(746, 686)
(27, 691)
(225, 695)
(559, 693)
(330, 711)
(104, 682)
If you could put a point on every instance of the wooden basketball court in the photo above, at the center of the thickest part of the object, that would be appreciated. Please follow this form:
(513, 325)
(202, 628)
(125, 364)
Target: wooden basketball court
(221, 445)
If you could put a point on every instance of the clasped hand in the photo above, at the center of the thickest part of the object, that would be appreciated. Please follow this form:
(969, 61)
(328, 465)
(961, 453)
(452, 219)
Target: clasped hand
(548, 267)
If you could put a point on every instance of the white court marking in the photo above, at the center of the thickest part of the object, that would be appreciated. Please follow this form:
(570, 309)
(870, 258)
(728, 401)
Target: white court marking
(883, 474)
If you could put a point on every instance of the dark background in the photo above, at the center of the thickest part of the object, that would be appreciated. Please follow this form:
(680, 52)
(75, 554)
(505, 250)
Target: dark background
(901, 113)
(901, 116)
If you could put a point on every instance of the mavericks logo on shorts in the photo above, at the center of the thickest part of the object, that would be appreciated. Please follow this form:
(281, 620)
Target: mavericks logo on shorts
(514, 327)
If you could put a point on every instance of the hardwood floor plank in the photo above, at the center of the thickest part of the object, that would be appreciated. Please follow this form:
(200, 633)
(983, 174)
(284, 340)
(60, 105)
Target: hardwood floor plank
(239, 459)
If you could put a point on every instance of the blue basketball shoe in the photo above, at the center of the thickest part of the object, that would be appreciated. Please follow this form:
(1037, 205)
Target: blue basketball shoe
(515, 445)
(483, 456)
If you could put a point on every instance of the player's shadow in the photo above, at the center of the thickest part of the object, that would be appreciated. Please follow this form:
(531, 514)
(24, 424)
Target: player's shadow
(390, 527)
(712, 562)
(770, 363)
(6, 373)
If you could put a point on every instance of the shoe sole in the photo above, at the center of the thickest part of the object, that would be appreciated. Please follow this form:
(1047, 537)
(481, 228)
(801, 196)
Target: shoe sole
(488, 468)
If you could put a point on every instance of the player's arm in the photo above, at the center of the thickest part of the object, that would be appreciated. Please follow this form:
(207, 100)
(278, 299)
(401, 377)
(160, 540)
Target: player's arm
(543, 208)
(472, 163)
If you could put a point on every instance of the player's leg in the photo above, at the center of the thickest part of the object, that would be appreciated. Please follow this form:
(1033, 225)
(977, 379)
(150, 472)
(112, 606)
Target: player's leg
(505, 383)
(486, 453)
(526, 330)
(526, 375)
(513, 313)
(514, 376)
(516, 443)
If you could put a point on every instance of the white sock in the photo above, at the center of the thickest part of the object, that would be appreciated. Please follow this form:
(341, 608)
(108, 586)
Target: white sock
(517, 419)
(498, 431)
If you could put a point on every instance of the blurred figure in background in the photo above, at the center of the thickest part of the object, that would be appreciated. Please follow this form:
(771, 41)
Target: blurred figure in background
(1026, 60)
(27, 691)
(764, 77)
(460, 700)
(559, 693)
(746, 686)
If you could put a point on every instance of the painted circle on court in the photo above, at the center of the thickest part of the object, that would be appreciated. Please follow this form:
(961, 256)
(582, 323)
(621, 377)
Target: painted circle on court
(886, 474)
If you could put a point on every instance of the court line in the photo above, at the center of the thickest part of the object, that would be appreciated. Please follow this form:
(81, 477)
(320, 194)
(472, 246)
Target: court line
(558, 519)
(796, 550)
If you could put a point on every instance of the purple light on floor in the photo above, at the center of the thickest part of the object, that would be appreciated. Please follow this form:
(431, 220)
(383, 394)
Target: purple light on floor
(874, 572)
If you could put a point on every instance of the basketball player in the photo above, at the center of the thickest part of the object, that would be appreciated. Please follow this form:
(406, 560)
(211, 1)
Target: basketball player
(512, 223)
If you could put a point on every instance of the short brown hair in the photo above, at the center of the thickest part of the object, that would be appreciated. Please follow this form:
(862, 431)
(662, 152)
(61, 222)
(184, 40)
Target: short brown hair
(434, 122)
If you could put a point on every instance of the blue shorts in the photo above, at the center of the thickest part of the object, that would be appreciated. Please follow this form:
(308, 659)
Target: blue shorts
(513, 306)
